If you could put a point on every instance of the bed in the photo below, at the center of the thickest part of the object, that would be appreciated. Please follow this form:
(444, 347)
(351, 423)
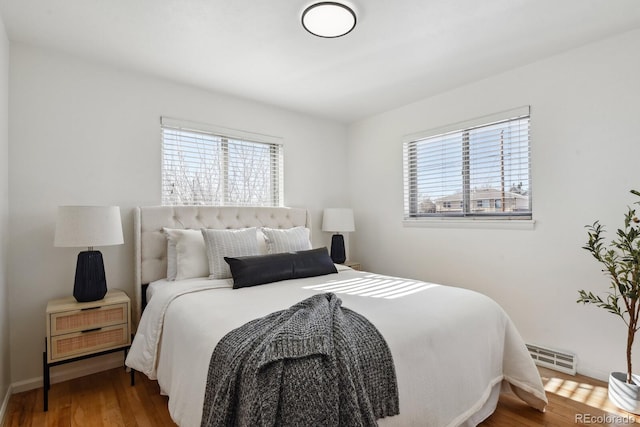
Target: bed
(454, 350)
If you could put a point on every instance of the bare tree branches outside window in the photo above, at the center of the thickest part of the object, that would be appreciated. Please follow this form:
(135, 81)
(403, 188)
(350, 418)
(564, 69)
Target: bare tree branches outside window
(200, 168)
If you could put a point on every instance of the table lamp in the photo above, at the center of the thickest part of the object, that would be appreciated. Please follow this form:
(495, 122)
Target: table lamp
(338, 220)
(89, 226)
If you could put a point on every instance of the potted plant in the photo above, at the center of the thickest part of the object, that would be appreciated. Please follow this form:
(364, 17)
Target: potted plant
(620, 259)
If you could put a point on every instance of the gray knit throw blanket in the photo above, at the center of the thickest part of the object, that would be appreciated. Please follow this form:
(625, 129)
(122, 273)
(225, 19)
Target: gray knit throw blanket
(314, 364)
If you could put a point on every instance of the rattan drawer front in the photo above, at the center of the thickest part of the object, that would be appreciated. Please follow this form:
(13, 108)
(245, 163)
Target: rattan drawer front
(79, 343)
(80, 320)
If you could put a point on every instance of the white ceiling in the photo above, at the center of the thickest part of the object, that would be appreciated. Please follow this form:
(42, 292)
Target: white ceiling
(400, 51)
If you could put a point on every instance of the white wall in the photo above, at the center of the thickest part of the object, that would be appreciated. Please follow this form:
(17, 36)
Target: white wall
(585, 158)
(5, 374)
(86, 133)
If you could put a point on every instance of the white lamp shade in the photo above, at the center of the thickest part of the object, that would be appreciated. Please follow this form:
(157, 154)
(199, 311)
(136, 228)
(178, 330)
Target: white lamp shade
(88, 226)
(338, 220)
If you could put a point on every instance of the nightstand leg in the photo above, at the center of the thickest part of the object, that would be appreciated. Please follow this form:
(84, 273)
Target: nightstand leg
(132, 371)
(46, 385)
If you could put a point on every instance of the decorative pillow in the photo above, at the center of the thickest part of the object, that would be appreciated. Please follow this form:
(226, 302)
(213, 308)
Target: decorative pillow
(191, 257)
(232, 243)
(172, 262)
(262, 242)
(261, 269)
(286, 239)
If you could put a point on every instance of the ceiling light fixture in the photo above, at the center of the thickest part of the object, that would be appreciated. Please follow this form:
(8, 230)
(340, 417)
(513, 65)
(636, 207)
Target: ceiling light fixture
(328, 19)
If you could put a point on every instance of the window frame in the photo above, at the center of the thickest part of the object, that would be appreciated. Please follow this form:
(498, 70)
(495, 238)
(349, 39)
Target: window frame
(463, 213)
(225, 137)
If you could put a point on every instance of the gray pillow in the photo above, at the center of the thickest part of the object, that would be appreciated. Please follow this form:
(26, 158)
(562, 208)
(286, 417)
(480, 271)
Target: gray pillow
(286, 239)
(231, 243)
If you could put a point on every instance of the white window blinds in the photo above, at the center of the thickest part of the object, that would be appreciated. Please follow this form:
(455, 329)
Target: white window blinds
(209, 167)
(481, 170)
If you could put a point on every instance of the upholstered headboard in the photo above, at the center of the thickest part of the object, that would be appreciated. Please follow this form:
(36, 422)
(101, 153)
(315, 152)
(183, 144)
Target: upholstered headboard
(151, 243)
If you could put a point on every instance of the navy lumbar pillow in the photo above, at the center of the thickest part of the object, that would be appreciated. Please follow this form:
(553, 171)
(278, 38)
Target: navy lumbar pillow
(261, 269)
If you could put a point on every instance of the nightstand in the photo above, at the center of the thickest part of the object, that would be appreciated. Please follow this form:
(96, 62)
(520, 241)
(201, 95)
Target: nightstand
(80, 330)
(353, 264)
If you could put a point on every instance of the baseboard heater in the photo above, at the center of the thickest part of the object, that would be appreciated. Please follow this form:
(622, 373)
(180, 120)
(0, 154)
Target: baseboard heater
(553, 359)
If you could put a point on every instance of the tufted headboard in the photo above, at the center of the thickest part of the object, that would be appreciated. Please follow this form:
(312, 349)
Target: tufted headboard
(151, 243)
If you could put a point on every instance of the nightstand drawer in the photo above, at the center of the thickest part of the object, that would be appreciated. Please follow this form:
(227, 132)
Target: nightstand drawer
(76, 344)
(81, 320)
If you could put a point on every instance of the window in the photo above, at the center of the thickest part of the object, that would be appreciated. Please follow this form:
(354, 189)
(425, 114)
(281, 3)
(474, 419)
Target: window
(206, 166)
(482, 203)
(478, 169)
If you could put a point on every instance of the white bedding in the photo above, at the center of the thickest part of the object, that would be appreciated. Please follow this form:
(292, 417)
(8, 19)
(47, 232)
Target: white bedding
(452, 348)
(158, 284)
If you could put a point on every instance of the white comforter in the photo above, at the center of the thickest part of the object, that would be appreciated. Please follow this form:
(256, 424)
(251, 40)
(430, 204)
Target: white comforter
(451, 347)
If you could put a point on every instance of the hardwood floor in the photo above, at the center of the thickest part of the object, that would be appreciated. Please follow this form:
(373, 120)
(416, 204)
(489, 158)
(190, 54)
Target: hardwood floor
(107, 399)
(103, 399)
(573, 400)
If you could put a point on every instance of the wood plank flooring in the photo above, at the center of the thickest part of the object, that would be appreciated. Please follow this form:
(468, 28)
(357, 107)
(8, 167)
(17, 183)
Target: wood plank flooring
(102, 399)
(107, 399)
(573, 400)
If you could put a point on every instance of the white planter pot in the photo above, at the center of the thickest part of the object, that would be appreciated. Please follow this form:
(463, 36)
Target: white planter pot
(623, 395)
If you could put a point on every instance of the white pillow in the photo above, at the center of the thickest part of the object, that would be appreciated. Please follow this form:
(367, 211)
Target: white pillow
(228, 243)
(172, 261)
(287, 239)
(191, 256)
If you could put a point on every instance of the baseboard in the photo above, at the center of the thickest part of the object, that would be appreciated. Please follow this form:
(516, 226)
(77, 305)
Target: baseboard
(5, 404)
(72, 370)
(594, 373)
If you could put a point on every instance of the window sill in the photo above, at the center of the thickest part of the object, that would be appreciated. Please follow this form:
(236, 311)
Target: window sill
(500, 224)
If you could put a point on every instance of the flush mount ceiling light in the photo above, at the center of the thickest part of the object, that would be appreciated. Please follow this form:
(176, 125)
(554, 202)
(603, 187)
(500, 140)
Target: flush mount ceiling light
(328, 19)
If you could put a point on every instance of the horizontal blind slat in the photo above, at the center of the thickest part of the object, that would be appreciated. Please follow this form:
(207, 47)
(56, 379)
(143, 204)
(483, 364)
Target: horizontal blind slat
(494, 158)
(204, 168)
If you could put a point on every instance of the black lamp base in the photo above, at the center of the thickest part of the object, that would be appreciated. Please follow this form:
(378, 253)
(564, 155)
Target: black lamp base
(90, 283)
(337, 249)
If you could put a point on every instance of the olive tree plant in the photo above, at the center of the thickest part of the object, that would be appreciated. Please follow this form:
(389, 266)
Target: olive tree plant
(620, 259)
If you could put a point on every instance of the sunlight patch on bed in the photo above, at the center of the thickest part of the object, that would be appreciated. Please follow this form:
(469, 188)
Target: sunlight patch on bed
(374, 286)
